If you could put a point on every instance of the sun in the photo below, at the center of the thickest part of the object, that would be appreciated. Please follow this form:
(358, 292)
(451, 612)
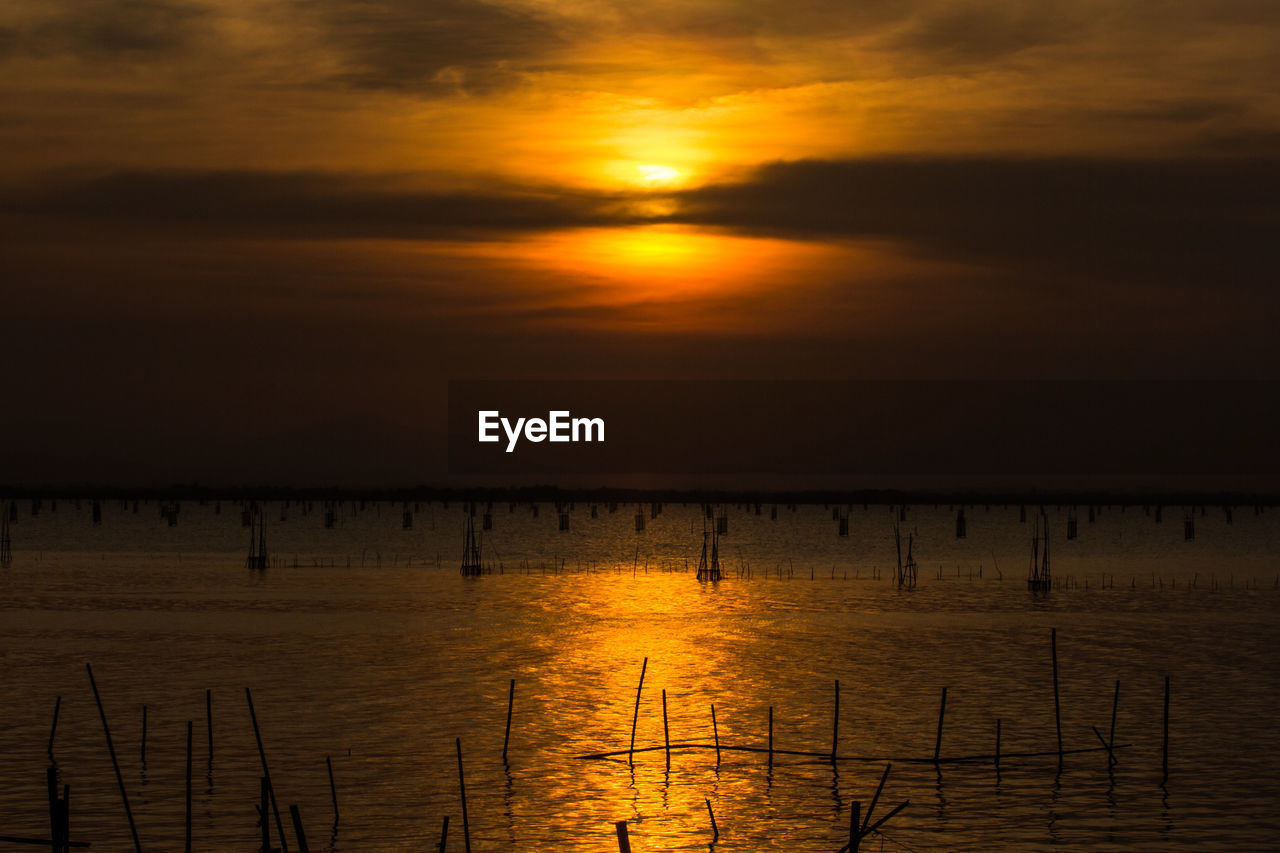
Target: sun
(653, 174)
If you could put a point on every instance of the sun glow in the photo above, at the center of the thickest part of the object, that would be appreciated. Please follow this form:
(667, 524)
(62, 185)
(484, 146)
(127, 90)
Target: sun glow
(669, 265)
(655, 175)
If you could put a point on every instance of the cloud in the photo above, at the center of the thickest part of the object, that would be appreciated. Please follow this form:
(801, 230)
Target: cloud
(1204, 220)
(981, 32)
(438, 48)
(309, 205)
(107, 29)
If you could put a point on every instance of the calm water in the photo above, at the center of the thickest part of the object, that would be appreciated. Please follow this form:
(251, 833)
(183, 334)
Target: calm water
(367, 651)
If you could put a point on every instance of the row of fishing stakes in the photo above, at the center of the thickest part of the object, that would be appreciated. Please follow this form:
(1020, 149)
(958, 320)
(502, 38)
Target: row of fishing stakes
(716, 511)
(59, 805)
(1107, 745)
(253, 516)
(269, 809)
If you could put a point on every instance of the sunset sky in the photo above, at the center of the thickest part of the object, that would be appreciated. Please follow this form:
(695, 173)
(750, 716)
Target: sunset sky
(251, 241)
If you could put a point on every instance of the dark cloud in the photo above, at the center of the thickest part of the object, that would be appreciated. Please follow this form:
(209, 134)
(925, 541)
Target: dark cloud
(108, 29)
(441, 47)
(311, 205)
(979, 32)
(1249, 142)
(1178, 111)
(733, 19)
(1152, 221)
(1211, 221)
(1250, 13)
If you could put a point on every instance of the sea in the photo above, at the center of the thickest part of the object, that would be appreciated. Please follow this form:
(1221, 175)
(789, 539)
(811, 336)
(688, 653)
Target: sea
(385, 692)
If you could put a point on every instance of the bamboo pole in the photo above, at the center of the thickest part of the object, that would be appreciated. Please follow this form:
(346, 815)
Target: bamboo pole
(1111, 758)
(624, 842)
(53, 730)
(271, 790)
(115, 763)
(636, 716)
(264, 808)
(715, 730)
(462, 792)
(942, 712)
(715, 830)
(511, 699)
(854, 833)
(333, 789)
(444, 833)
(876, 798)
(297, 829)
(666, 732)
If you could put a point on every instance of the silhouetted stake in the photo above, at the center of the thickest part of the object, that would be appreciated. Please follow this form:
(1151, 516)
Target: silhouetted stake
(462, 792)
(1111, 758)
(624, 843)
(942, 712)
(297, 829)
(57, 705)
(1115, 703)
(115, 763)
(188, 835)
(444, 833)
(511, 700)
(275, 809)
(666, 733)
(333, 789)
(875, 799)
(997, 745)
(770, 735)
(144, 735)
(855, 811)
(1164, 751)
(208, 716)
(835, 724)
(715, 831)
(716, 731)
(264, 809)
(1057, 703)
(636, 716)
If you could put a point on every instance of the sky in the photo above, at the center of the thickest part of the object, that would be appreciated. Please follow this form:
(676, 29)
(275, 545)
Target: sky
(251, 242)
